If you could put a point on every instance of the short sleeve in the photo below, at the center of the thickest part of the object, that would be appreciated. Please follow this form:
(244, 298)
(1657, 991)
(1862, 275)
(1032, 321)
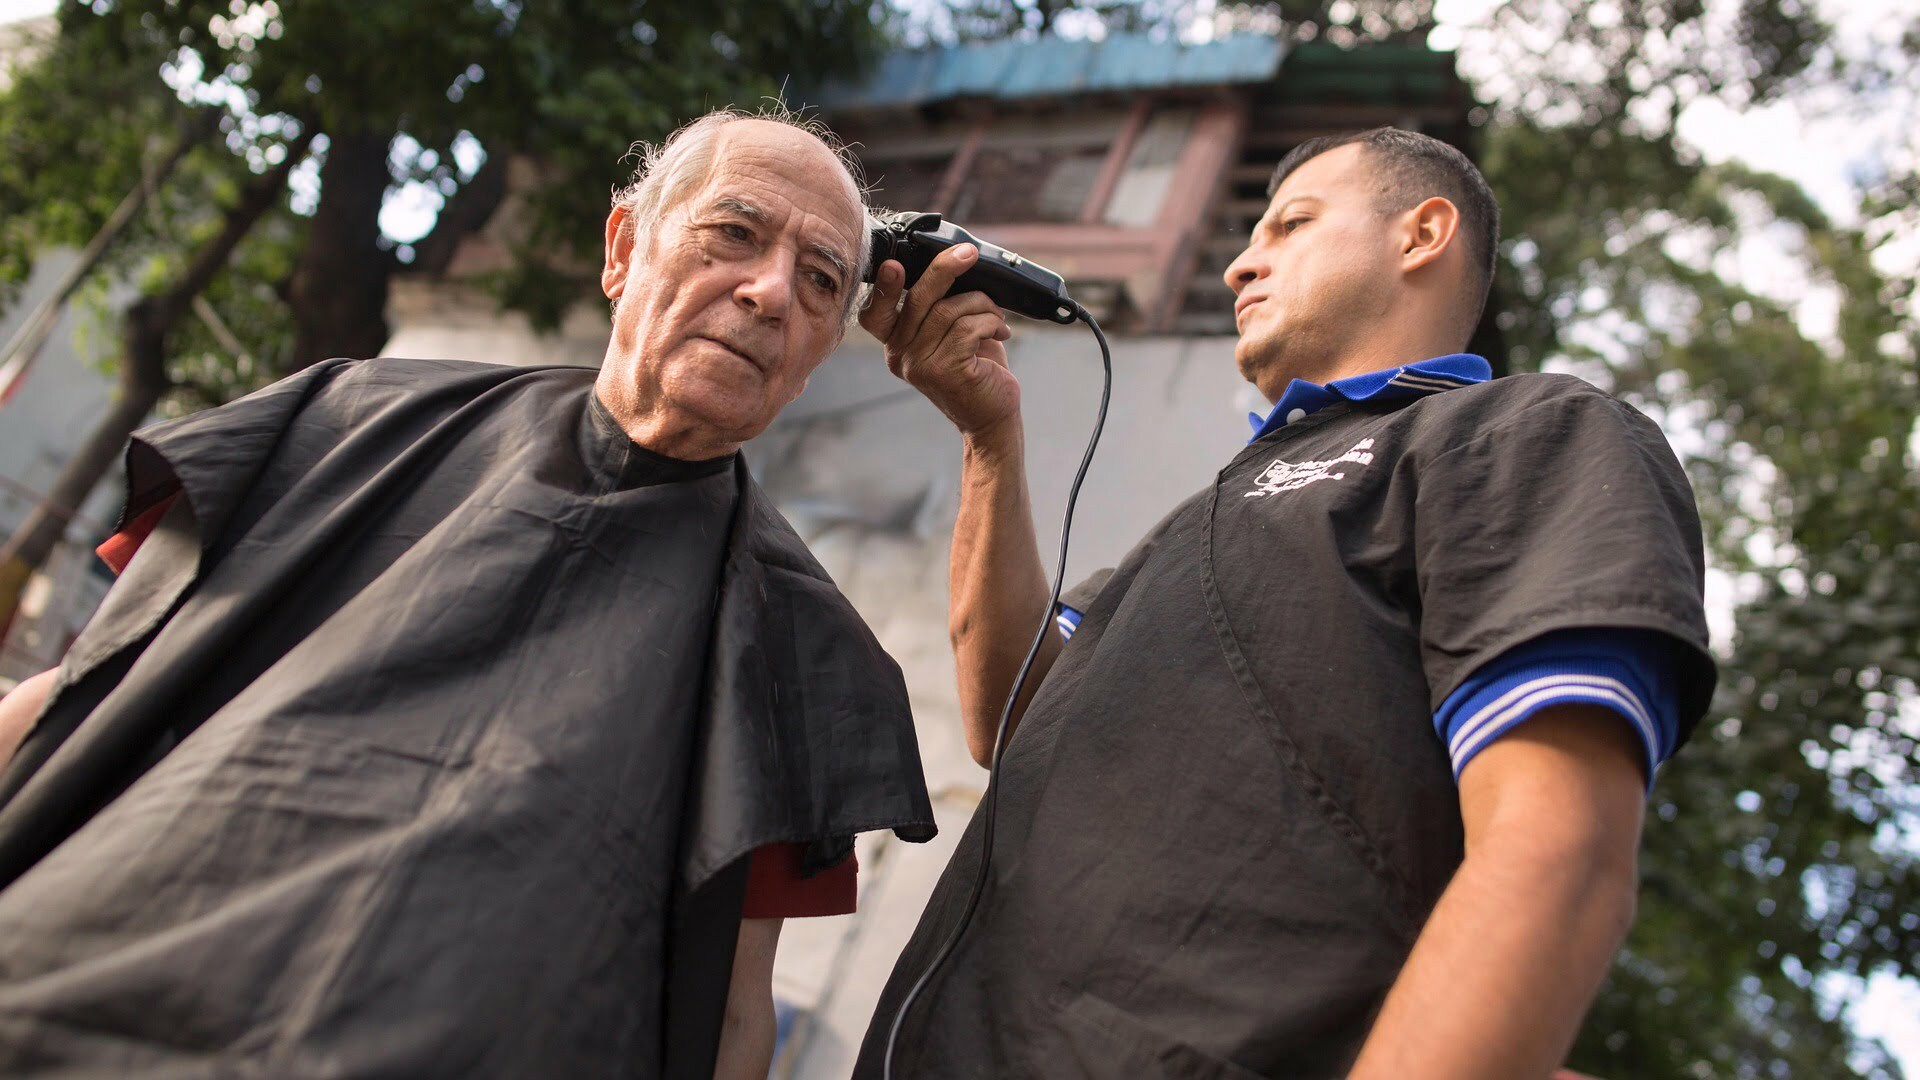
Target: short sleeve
(1080, 597)
(1630, 672)
(1571, 513)
(1074, 602)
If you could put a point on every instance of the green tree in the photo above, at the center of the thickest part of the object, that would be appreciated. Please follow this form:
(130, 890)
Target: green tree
(1782, 851)
(379, 95)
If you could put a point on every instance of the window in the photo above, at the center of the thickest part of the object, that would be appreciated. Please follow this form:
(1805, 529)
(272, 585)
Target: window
(1149, 170)
(1026, 184)
(1034, 170)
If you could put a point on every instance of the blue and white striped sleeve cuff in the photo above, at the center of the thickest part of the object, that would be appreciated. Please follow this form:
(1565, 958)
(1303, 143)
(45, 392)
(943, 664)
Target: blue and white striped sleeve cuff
(1631, 672)
(1068, 620)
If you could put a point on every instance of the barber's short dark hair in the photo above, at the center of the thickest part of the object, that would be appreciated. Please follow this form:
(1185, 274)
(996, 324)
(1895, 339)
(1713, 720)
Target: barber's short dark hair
(1412, 169)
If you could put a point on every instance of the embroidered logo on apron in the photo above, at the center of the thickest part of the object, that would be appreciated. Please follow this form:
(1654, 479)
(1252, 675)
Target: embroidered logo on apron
(1288, 476)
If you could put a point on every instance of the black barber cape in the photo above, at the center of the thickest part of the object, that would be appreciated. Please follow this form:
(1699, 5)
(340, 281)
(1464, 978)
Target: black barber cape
(1226, 814)
(426, 737)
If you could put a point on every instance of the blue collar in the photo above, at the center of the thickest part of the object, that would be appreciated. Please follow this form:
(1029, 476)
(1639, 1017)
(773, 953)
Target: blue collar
(1302, 398)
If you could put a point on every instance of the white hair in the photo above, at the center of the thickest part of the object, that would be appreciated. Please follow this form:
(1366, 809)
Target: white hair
(671, 170)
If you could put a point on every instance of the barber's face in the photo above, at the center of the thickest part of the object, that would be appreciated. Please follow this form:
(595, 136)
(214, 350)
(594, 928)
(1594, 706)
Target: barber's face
(1321, 266)
(743, 292)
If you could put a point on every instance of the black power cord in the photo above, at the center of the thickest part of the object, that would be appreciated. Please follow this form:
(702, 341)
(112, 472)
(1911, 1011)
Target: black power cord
(989, 800)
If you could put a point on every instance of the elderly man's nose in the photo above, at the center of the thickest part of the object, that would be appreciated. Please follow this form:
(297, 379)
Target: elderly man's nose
(767, 290)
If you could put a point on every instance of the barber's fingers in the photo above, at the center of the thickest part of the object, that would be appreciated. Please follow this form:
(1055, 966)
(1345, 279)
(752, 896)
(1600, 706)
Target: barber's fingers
(942, 318)
(925, 295)
(948, 348)
(936, 327)
(883, 303)
(965, 339)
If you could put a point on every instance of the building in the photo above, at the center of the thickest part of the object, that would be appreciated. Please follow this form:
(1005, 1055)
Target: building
(1136, 168)
(1133, 166)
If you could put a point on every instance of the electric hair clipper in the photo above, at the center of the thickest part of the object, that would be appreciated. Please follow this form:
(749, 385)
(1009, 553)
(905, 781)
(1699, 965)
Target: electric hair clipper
(913, 239)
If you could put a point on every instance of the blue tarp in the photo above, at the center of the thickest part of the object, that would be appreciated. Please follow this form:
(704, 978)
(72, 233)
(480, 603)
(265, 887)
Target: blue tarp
(1053, 67)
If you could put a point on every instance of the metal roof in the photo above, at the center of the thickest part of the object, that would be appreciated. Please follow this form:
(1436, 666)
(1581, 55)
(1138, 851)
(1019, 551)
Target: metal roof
(1054, 67)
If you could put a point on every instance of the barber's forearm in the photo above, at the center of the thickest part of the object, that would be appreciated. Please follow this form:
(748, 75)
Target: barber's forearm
(998, 585)
(1503, 973)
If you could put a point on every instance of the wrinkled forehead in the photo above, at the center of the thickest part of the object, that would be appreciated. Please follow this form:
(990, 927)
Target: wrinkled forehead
(788, 173)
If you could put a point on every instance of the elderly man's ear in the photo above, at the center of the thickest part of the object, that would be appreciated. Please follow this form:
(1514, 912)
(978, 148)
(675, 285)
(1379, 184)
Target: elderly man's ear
(613, 273)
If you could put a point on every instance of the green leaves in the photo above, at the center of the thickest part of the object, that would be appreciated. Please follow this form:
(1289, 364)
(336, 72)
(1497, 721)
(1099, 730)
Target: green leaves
(567, 86)
(1779, 862)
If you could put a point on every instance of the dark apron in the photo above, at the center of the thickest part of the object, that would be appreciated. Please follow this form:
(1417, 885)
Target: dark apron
(1176, 892)
(1226, 814)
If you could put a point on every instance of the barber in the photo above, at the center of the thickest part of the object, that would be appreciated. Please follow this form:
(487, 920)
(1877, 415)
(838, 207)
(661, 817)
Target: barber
(1342, 771)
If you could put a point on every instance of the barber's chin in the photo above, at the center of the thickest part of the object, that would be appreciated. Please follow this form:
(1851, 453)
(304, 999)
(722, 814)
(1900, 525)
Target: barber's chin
(1251, 359)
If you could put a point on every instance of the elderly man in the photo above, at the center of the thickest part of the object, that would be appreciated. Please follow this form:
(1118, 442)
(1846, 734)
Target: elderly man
(451, 719)
(1343, 768)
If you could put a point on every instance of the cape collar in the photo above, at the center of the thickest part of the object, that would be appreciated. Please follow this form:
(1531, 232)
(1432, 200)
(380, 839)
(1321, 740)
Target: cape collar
(623, 463)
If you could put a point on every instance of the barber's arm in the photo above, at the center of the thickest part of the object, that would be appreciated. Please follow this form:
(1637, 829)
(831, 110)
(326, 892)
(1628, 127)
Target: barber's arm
(1509, 961)
(18, 710)
(952, 351)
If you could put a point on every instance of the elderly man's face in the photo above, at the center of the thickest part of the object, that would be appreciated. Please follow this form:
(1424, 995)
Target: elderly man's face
(744, 290)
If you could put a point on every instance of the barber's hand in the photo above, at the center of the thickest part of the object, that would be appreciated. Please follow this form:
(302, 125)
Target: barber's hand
(948, 349)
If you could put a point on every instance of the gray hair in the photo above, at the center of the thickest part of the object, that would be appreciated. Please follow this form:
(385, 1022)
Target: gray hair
(671, 170)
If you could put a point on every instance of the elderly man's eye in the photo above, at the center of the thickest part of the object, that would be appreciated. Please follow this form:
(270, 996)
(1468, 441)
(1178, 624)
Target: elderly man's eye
(824, 280)
(733, 230)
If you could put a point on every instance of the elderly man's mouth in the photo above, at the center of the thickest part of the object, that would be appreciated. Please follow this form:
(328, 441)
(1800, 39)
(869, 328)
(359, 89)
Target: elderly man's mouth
(748, 357)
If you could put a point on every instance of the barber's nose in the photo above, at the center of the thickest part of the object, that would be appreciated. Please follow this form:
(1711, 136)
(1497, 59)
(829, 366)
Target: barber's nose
(1244, 271)
(767, 290)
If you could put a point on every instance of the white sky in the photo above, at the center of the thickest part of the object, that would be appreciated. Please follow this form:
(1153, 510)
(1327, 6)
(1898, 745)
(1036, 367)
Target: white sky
(1814, 143)
(23, 9)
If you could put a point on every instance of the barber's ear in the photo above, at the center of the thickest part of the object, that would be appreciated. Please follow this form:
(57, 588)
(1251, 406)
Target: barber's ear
(619, 259)
(1430, 228)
